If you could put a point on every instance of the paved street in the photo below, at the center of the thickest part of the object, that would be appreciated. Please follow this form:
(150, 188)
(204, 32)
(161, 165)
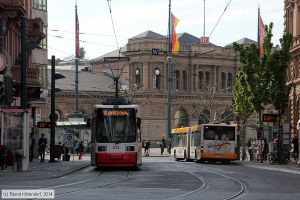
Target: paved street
(160, 177)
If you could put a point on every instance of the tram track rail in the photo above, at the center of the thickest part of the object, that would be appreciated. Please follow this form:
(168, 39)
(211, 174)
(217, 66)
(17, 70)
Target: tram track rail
(203, 187)
(243, 187)
(120, 180)
(206, 185)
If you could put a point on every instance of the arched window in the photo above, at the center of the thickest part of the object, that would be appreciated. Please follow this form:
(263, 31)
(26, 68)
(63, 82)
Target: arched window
(156, 80)
(229, 82)
(207, 79)
(138, 76)
(184, 80)
(181, 118)
(177, 74)
(223, 81)
(200, 80)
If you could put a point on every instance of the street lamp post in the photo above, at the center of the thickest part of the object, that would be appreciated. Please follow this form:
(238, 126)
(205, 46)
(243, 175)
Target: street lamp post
(52, 117)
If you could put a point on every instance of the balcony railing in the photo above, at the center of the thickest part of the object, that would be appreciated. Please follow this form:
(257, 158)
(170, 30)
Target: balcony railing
(32, 76)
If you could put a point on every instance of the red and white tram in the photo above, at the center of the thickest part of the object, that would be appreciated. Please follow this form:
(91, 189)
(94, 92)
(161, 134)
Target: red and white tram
(116, 135)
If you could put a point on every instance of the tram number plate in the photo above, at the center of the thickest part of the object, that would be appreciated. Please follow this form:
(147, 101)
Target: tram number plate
(116, 147)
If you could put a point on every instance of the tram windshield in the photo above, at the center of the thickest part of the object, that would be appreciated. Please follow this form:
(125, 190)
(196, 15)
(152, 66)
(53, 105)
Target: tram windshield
(116, 125)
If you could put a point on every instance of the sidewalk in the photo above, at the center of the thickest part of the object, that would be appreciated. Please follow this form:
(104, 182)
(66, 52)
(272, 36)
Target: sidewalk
(46, 170)
(289, 168)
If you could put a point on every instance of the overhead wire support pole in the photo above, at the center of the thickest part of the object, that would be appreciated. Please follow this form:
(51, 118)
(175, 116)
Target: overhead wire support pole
(169, 75)
(76, 63)
(23, 63)
(204, 20)
(25, 145)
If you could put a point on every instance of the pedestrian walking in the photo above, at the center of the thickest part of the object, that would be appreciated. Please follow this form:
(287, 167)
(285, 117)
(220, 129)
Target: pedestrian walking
(147, 148)
(163, 145)
(163, 141)
(265, 149)
(31, 147)
(162, 149)
(294, 148)
(250, 149)
(42, 147)
(81, 150)
(169, 145)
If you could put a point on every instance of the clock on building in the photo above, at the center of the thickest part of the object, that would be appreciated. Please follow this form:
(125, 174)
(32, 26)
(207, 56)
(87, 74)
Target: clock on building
(157, 71)
(137, 71)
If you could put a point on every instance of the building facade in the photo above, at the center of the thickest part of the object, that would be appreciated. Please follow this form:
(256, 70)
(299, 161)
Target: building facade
(34, 13)
(202, 80)
(292, 26)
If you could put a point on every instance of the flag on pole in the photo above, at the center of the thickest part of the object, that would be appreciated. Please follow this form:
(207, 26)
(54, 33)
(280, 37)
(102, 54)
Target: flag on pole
(261, 35)
(77, 50)
(175, 41)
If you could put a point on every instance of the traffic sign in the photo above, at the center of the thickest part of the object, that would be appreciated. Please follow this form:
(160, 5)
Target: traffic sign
(204, 40)
(44, 124)
(2, 62)
(155, 51)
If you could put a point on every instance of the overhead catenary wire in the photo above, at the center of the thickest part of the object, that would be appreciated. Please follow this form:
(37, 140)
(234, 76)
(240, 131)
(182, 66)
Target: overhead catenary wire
(83, 41)
(112, 21)
(228, 3)
(86, 33)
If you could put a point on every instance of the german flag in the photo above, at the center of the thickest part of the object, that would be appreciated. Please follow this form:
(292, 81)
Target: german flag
(175, 41)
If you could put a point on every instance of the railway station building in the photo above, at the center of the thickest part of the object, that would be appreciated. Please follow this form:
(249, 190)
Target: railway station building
(202, 81)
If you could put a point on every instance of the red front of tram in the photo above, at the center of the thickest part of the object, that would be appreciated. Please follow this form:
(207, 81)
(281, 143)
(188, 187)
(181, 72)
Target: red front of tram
(116, 136)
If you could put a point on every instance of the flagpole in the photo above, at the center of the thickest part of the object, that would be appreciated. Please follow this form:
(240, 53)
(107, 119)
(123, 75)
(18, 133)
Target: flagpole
(204, 21)
(76, 61)
(258, 27)
(257, 120)
(169, 75)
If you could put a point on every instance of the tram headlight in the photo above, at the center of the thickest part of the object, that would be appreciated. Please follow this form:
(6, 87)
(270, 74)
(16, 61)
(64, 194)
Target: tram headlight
(102, 148)
(130, 148)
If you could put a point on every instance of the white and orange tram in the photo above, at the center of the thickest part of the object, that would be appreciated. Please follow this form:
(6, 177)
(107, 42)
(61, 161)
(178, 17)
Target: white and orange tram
(116, 135)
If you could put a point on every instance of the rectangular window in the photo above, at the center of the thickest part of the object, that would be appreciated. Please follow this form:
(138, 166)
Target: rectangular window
(219, 133)
(43, 76)
(44, 41)
(40, 4)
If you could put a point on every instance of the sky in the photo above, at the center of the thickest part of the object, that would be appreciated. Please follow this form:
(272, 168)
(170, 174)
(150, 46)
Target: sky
(132, 17)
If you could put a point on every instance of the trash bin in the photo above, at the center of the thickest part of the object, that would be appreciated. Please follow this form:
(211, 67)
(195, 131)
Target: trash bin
(66, 156)
(58, 151)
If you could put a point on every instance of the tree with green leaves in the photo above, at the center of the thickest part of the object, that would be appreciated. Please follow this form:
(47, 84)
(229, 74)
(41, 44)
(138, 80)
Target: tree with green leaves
(241, 106)
(256, 73)
(261, 79)
(279, 93)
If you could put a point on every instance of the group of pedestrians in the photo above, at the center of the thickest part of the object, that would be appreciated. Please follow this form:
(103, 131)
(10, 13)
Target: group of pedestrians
(163, 144)
(42, 145)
